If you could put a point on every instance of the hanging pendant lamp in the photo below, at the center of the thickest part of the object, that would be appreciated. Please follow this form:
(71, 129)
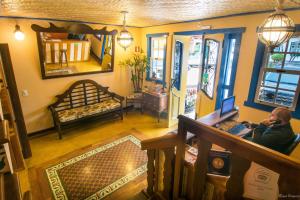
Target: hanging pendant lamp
(124, 38)
(276, 29)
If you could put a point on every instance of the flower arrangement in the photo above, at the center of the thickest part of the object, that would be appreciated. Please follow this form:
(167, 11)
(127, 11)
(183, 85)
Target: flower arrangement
(138, 63)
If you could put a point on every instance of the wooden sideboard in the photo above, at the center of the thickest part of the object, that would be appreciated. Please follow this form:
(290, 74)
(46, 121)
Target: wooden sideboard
(155, 102)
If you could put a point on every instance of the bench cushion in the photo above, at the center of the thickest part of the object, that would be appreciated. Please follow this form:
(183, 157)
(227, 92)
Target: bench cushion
(80, 112)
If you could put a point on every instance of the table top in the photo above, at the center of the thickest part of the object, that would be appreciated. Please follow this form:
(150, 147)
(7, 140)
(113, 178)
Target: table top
(155, 93)
(214, 118)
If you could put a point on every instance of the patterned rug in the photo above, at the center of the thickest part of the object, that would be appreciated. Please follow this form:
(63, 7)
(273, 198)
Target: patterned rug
(98, 172)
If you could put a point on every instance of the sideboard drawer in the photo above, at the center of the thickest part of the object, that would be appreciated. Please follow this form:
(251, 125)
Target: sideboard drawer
(155, 102)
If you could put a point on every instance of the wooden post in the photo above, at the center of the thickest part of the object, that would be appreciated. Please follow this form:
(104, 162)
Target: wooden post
(156, 169)
(150, 171)
(235, 184)
(180, 153)
(168, 172)
(201, 167)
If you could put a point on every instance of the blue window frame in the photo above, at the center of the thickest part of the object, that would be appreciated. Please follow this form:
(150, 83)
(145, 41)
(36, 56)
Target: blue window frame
(273, 78)
(156, 52)
(177, 64)
(230, 56)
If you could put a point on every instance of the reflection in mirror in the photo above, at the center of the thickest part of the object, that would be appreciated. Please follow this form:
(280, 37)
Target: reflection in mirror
(75, 50)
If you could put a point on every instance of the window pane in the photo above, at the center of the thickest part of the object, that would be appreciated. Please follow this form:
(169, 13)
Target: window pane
(195, 51)
(161, 54)
(275, 60)
(281, 48)
(289, 81)
(157, 69)
(280, 88)
(267, 94)
(271, 79)
(226, 91)
(157, 57)
(155, 43)
(155, 54)
(209, 67)
(292, 62)
(162, 43)
(294, 44)
(193, 76)
(213, 52)
(229, 62)
(285, 98)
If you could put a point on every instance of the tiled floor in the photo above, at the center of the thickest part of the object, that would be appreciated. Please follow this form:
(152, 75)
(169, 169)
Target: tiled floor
(47, 148)
(99, 171)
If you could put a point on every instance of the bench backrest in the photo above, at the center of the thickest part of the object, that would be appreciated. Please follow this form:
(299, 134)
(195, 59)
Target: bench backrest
(81, 93)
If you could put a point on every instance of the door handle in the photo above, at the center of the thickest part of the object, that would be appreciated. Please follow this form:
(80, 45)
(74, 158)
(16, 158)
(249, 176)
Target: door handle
(173, 81)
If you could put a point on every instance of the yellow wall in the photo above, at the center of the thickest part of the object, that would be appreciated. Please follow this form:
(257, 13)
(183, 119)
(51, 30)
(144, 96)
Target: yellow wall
(25, 61)
(246, 58)
(26, 66)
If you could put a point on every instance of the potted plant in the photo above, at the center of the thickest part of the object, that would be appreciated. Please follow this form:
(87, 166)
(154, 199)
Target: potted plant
(138, 63)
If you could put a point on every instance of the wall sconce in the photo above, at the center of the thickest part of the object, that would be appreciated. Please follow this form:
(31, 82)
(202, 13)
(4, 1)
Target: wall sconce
(19, 35)
(124, 38)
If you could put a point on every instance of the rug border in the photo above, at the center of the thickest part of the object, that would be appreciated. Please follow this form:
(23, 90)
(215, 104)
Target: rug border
(102, 192)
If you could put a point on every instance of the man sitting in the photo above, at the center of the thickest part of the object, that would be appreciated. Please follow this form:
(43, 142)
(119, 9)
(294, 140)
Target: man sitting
(275, 132)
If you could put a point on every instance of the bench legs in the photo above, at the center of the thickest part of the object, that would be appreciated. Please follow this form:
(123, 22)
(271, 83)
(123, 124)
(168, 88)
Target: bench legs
(59, 131)
(121, 114)
(58, 126)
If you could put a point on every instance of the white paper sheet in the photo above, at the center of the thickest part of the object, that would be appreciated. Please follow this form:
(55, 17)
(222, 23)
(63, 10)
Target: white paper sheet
(261, 183)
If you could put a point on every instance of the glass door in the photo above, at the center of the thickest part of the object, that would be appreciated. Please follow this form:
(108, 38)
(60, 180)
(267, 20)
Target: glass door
(193, 75)
(178, 78)
(212, 51)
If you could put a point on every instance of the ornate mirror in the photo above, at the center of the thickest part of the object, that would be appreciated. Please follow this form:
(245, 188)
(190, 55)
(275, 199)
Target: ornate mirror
(74, 50)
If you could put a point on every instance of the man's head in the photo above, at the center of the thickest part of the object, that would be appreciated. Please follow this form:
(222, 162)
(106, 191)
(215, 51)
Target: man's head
(282, 114)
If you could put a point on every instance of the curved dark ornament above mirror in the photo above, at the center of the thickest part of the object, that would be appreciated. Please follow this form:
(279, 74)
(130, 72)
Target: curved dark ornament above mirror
(73, 50)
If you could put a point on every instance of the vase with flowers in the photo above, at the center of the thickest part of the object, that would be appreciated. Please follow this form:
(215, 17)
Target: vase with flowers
(138, 63)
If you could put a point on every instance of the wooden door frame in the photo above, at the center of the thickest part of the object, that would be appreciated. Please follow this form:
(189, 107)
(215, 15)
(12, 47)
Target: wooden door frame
(15, 100)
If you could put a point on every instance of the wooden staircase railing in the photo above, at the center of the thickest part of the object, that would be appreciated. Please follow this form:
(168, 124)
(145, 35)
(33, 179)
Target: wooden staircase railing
(166, 158)
(160, 150)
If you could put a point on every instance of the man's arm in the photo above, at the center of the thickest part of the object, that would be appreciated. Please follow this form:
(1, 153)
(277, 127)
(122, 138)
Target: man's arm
(265, 139)
(259, 130)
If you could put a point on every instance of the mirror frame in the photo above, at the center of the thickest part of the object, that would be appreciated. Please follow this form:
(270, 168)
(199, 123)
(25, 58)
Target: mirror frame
(73, 28)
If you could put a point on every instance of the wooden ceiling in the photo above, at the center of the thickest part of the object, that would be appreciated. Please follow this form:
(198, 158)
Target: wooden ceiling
(141, 12)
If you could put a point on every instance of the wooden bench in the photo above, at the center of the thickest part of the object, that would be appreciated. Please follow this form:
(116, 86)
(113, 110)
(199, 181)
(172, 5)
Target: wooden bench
(85, 99)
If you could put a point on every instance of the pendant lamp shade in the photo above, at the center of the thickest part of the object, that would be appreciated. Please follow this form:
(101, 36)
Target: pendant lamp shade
(276, 29)
(124, 38)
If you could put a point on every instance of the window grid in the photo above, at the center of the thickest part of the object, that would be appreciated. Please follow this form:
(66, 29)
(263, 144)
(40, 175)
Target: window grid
(264, 85)
(157, 57)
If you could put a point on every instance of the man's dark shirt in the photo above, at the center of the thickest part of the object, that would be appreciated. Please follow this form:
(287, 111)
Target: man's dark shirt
(276, 137)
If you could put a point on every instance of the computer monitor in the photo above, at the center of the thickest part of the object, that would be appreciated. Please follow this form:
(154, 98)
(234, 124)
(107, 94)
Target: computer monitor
(227, 105)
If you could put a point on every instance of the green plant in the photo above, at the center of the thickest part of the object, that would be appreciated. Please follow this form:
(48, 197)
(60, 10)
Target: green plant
(277, 57)
(138, 63)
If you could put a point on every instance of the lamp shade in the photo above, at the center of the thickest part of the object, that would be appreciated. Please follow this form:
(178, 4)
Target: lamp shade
(124, 39)
(276, 29)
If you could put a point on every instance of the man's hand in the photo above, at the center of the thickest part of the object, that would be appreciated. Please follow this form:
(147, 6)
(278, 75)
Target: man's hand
(266, 122)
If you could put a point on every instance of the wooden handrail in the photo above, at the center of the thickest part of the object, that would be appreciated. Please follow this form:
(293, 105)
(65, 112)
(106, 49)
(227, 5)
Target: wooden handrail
(243, 152)
(166, 141)
(247, 149)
